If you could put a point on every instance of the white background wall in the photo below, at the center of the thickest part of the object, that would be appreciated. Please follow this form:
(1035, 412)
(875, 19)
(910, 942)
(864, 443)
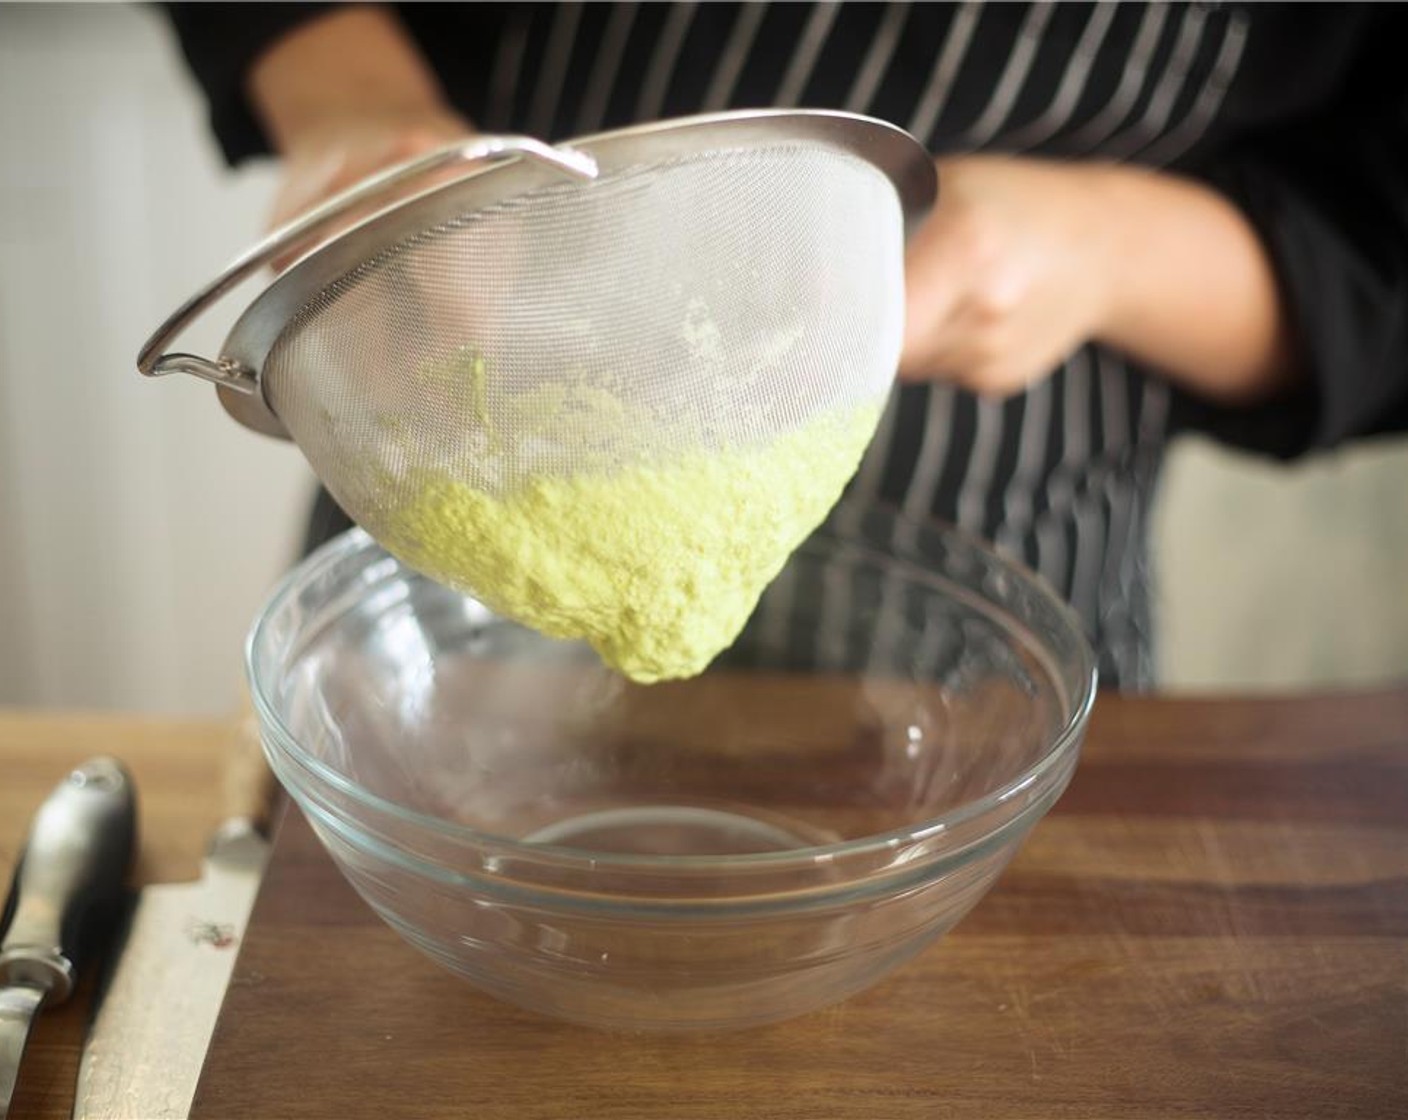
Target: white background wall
(1283, 577)
(139, 528)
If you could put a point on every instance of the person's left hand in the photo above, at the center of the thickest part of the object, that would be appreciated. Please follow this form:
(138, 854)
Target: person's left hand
(1009, 274)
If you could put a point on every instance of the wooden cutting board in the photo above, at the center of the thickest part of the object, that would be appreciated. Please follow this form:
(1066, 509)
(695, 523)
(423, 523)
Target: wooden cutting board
(177, 766)
(1212, 923)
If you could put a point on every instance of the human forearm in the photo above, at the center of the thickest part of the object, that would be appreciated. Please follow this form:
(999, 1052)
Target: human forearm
(1025, 260)
(342, 97)
(1192, 291)
(353, 63)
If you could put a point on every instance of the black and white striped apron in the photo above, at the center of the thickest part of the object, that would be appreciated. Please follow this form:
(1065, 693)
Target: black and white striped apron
(1059, 476)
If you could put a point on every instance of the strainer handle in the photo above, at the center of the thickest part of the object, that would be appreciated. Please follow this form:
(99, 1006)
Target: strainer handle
(153, 361)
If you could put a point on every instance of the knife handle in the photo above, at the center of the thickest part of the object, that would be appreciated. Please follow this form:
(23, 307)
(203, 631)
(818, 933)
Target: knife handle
(71, 872)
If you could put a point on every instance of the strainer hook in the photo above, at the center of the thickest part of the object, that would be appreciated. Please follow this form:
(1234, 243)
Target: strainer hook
(153, 361)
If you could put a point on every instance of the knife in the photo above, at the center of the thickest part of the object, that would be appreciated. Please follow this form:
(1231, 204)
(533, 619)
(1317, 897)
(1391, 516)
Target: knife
(156, 1013)
(66, 888)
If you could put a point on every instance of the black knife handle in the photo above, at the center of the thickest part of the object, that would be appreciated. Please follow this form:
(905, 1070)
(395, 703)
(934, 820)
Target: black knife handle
(70, 874)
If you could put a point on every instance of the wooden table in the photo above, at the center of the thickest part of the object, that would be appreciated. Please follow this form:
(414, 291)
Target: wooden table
(177, 766)
(1212, 923)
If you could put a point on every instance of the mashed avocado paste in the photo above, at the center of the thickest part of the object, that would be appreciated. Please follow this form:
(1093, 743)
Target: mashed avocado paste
(656, 565)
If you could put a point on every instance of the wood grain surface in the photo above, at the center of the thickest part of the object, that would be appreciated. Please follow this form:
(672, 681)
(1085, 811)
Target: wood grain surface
(177, 766)
(1212, 923)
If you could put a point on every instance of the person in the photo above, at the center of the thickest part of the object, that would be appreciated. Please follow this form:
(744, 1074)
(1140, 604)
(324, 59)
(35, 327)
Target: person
(1152, 218)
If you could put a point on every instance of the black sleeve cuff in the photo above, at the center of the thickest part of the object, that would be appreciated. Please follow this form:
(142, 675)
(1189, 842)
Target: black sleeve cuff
(1328, 196)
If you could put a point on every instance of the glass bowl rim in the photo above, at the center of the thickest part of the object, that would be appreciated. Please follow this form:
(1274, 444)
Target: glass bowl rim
(355, 540)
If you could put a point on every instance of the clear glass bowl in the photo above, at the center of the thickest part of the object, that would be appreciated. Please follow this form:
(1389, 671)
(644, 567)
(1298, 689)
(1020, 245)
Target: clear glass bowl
(838, 790)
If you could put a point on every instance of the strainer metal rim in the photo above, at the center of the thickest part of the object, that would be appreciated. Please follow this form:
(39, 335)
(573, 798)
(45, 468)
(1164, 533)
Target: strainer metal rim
(888, 148)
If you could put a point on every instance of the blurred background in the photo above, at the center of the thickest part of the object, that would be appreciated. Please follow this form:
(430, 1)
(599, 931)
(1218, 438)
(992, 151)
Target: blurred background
(140, 528)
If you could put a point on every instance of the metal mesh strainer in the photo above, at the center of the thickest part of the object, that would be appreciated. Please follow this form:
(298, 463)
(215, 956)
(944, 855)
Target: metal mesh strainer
(699, 283)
